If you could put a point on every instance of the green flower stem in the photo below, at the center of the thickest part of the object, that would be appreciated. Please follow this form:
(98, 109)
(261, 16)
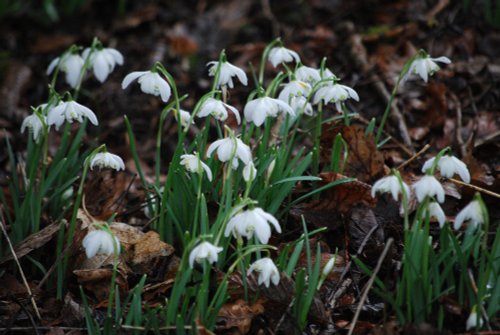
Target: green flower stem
(72, 223)
(316, 140)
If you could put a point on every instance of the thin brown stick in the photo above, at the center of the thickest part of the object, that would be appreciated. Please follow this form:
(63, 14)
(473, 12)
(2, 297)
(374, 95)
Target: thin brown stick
(369, 285)
(412, 158)
(481, 307)
(358, 51)
(25, 282)
(474, 187)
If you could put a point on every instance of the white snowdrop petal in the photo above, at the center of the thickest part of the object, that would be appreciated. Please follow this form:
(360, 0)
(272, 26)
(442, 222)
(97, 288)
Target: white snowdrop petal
(129, 78)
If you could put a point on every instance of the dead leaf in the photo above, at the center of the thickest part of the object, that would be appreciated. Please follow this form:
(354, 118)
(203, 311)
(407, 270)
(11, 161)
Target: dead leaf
(335, 201)
(364, 161)
(238, 315)
(34, 241)
(98, 281)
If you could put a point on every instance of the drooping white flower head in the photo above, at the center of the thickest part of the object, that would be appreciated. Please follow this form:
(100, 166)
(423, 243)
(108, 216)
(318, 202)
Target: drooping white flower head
(107, 160)
(472, 213)
(218, 110)
(425, 66)
(448, 166)
(308, 74)
(435, 211)
(280, 55)
(252, 221)
(70, 111)
(35, 125)
(100, 242)
(294, 88)
(474, 321)
(71, 64)
(300, 105)
(258, 109)
(226, 74)
(267, 271)
(329, 266)
(335, 93)
(249, 172)
(193, 163)
(103, 61)
(327, 74)
(204, 250)
(185, 117)
(151, 83)
(428, 186)
(231, 148)
(390, 184)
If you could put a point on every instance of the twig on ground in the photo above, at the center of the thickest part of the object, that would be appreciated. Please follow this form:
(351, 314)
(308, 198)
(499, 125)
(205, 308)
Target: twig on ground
(369, 285)
(481, 307)
(412, 158)
(333, 296)
(458, 132)
(359, 53)
(474, 187)
(25, 282)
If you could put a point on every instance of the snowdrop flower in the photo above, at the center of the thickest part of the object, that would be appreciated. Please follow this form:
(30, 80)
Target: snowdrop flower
(335, 93)
(71, 64)
(193, 163)
(294, 88)
(218, 110)
(390, 184)
(185, 117)
(107, 160)
(308, 74)
(300, 105)
(151, 83)
(267, 271)
(448, 166)
(103, 61)
(69, 111)
(428, 186)
(100, 242)
(280, 55)
(226, 73)
(34, 123)
(435, 211)
(231, 148)
(204, 250)
(327, 74)
(258, 109)
(425, 66)
(328, 267)
(474, 320)
(249, 172)
(471, 212)
(252, 221)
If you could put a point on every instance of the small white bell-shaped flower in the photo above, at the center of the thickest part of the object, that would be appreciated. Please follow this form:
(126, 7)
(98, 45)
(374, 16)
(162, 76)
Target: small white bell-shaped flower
(278, 55)
(218, 110)
(107, 160)
(193, 163)
(71, 64)
(449, 166)
(204, 250)
(103, 61)
(472, 213)
(250, 222)
(428, 186)
(231, 148)
(100, 242)
(390, 184)
(258, 109)
(151, 83)
(425, 66)
(226, 73)
(70, 111)
(267, 271)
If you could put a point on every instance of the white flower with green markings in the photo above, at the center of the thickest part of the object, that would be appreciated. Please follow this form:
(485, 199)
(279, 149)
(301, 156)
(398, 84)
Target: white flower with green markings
(151, 83)
(70, 111)
(268, 272)
(204, 251)
(226, 73)
(107, 160)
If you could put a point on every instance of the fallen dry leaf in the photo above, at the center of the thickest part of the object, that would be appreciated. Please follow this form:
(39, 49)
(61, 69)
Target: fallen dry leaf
(238, 315)
(364, 161)
(34, 241)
